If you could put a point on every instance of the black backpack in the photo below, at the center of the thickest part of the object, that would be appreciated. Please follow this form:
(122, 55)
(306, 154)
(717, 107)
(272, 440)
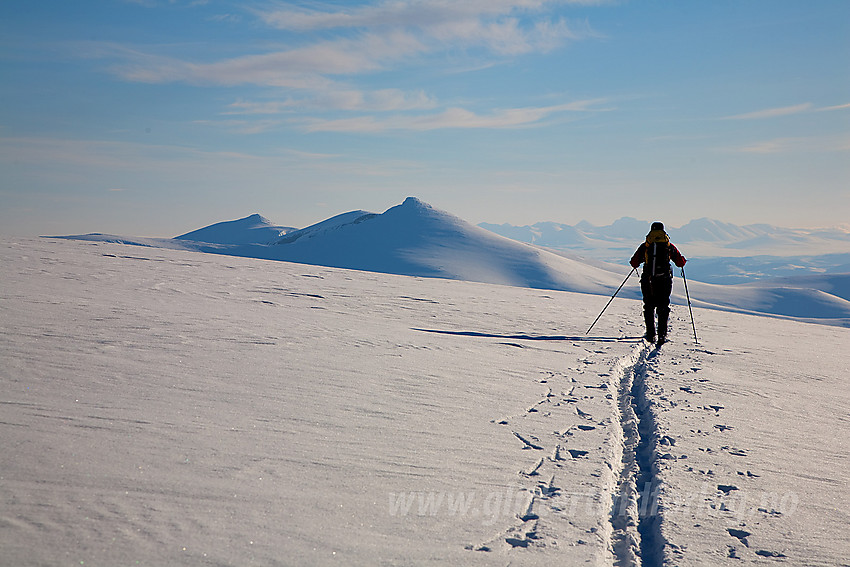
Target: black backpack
(657, 261)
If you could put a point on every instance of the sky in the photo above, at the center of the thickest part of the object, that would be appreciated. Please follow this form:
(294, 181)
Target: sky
(156, 117)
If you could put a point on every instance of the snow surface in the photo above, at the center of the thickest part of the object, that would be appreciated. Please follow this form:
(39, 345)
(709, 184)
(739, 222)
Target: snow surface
(164, 407)
(415, 239)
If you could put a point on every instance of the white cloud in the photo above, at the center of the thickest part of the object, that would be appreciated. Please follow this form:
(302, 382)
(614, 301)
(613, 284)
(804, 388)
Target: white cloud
(367, 39)
(156, 3)
(497, 25)
(775, 146)
(772, 112)
(96, 157)
(340, 98)
(301, 68)
(225, 18)
(105, 155)
(395, 13)
(341, 46)
(786, 111)
(451, 118)
(831, 108)
(823, 144)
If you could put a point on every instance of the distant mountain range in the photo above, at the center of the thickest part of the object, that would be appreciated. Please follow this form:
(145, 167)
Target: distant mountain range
(409, 239)
(628, 230)
(721, 252)
(414, 239)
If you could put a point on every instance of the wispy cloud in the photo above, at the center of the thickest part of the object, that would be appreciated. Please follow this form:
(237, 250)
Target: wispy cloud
(156, 3)
(394, 13)
(337, 50)
(382, 100)
(369, 39)
(225, 18)
(831, 108)
(503, 26)
(772, 112)
(366, 39)
(100, 154)
(824, 144)
(451, 118)
(785, 111)
(75, 156)
(301, 68)
(775, 146)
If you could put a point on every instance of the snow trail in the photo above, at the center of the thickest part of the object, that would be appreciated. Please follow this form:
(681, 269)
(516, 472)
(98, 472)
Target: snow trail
(652, 542)
(636, 538)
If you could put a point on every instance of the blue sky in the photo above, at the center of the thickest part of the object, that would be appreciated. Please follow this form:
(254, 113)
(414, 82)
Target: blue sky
(155, 117)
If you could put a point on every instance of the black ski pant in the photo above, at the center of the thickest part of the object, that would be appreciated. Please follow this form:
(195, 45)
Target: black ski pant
(656, 298)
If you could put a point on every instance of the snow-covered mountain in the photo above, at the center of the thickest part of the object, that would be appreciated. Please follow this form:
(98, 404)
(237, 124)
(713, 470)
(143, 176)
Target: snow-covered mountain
(746, 269)
(721, 252)
(415, 239)
(253, 229)
(699, 231)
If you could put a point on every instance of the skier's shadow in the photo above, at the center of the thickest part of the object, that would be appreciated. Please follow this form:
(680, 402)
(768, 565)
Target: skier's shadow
(526, 337)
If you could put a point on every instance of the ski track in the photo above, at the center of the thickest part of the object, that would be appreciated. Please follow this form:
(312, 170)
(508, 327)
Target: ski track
(636, 538)
(662, 483)
(580, 403)
(637, 518)
(632, 533)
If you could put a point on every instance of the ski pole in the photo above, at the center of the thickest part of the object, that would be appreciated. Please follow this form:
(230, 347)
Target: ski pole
(684, 279)
(612, 299)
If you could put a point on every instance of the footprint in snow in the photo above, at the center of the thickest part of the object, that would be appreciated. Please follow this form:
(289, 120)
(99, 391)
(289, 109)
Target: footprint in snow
(765, 553)
(741, 535)
(668, 441)
(534, 469)
(583, 414)
(516, 542)
(527, 444)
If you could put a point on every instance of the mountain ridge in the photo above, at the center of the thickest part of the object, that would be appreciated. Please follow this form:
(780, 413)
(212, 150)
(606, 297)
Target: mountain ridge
(416, 239)
(703, 229)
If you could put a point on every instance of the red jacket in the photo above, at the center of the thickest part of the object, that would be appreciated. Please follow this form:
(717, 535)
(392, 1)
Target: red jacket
(675, 255)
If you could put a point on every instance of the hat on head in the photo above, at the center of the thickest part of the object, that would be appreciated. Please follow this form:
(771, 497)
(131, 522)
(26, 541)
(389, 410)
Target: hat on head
(657, 226)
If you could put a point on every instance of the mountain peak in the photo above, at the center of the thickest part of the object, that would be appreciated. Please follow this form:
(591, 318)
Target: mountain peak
(414, 238)
(413, 208)
(256, 218)
(253, 229)
(413, 202)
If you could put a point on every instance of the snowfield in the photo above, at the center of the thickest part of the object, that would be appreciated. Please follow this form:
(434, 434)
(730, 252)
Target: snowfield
(166, 407)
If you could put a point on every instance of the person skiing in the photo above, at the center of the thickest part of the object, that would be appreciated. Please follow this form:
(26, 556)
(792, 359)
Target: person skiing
(656, 281)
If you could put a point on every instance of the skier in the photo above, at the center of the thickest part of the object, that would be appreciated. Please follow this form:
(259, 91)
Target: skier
(656, 282)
